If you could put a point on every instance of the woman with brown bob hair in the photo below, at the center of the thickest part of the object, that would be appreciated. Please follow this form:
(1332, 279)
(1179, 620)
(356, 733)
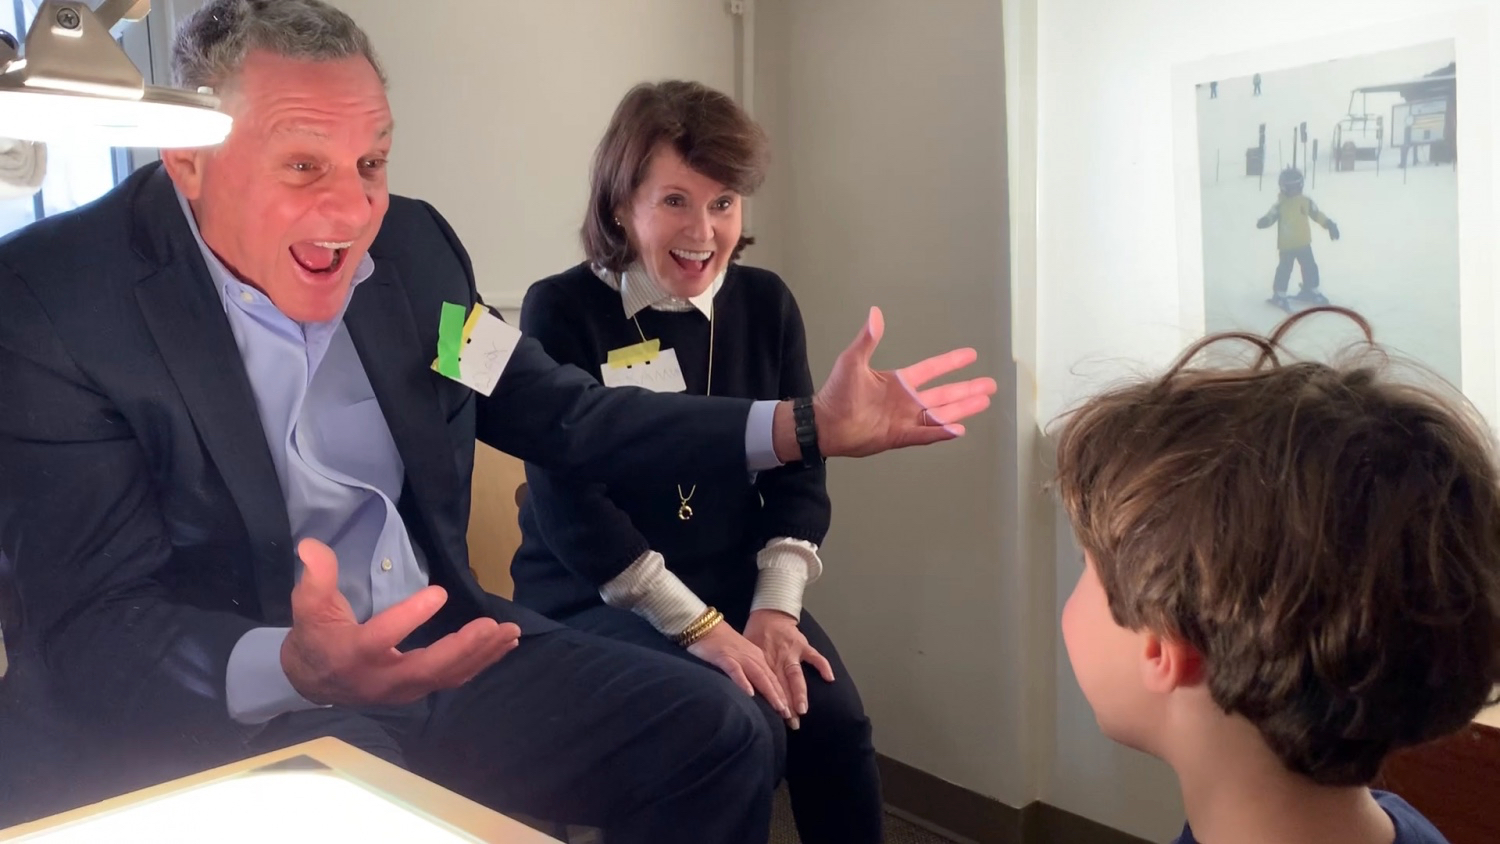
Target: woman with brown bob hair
(711, 569)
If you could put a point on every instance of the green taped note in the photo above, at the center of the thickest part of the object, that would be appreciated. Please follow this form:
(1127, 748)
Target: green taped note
(450, 339)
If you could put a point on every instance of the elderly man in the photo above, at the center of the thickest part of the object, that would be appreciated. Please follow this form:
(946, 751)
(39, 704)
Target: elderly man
(234, 492)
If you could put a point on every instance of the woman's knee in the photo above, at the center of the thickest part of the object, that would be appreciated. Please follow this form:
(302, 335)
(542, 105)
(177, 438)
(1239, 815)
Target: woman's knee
(835, 717)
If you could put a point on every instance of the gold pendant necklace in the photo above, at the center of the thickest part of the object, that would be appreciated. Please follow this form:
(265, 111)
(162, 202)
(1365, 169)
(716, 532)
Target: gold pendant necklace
(685, 510)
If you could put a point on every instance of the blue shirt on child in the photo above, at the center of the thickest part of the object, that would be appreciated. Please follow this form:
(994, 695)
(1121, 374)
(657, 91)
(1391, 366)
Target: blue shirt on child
(1411, 827)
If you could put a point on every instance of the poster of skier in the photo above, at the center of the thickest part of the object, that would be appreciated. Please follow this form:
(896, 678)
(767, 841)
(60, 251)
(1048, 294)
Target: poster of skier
(1336, 182)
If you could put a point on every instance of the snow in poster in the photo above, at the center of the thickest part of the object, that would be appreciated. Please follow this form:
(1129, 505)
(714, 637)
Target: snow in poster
(1336, 181)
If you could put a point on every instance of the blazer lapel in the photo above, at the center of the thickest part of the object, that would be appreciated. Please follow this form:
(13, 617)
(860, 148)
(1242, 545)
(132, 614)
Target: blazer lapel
(381, 323)
(186, 317)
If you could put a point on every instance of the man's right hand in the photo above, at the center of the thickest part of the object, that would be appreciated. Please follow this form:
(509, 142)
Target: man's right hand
(331, 658)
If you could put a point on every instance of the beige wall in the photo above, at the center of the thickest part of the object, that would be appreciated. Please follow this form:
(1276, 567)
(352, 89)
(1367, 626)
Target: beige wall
(888, 189)
(499, 105)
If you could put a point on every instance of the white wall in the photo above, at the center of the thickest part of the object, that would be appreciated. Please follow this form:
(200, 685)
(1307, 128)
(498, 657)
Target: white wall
(888, 189)
(890, 152)
(1071, 764)
(499, 105)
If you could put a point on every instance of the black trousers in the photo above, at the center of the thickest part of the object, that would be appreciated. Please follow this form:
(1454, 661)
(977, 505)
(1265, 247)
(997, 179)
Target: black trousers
(579, 729)
(1303, 256)
(829, 763)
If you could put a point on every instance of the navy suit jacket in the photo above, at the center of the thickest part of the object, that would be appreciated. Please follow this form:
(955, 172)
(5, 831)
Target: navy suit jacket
(141, 517)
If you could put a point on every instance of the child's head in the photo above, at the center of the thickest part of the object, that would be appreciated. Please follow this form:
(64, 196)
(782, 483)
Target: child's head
(1290, 181)
(1317, 546)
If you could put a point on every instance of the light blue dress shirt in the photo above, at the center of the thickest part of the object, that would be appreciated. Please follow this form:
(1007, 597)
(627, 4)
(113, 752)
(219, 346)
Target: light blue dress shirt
(339, 469)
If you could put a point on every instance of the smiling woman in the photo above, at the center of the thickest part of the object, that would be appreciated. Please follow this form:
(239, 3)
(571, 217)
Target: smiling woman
(708, 569)
(673, 151)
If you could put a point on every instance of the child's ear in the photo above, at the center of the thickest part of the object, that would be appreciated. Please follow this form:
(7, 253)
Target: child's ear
(1170, 664)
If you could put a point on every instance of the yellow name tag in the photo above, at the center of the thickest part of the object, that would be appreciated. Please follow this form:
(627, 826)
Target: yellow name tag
(643, 352)
(644, 365)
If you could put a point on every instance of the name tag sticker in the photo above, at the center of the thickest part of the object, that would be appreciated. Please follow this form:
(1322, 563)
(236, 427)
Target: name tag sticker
(474, 350)
(644, 365)
(641, 352)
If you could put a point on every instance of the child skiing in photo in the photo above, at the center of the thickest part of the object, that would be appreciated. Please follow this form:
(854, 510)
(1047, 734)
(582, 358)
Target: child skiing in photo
(1290, 215)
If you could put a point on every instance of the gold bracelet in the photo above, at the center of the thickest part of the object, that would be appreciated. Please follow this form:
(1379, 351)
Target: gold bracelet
(700, 627)
(707, 627)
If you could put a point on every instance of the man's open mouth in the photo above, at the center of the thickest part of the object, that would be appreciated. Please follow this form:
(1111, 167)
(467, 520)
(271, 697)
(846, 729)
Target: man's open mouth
(320, 257)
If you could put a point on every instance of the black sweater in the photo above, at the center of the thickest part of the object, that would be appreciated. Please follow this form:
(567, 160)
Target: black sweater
(577, 536)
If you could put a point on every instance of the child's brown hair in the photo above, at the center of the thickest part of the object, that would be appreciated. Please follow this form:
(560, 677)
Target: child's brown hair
(1326, 536)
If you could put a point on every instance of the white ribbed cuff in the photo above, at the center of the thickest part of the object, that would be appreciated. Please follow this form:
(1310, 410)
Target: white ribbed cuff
(786, 566)
(649, 590)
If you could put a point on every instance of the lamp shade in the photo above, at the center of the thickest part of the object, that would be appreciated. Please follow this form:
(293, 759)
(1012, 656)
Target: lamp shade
(163, 117)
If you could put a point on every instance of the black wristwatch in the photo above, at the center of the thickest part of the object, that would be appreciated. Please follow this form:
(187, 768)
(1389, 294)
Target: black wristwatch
(807, 431)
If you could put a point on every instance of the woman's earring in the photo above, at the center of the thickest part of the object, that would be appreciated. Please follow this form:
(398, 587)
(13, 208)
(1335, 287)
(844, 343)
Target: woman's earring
(617, 223)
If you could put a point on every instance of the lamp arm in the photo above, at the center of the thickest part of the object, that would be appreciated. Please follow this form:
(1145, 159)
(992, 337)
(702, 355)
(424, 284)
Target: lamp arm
(113, 13)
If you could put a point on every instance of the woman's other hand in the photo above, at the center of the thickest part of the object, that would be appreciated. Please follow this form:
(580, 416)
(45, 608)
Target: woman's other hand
(785, 649)
(745, 663)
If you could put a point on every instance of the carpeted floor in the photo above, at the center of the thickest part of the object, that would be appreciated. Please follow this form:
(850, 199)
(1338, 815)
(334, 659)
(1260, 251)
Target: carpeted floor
(897, 831)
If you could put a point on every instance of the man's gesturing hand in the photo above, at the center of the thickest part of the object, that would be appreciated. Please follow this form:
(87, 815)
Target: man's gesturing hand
(331, 658)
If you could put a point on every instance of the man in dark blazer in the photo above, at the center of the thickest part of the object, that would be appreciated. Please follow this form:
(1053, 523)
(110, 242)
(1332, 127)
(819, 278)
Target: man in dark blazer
(207, 389)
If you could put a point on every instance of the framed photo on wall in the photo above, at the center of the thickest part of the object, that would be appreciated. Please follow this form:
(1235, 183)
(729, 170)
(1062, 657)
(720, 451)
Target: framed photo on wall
(1353, 170)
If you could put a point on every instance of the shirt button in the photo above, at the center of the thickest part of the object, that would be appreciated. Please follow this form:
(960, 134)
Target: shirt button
(247, 297)
(385, 565)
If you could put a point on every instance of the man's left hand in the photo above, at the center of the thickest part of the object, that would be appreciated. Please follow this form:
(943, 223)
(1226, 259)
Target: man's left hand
(860, 411)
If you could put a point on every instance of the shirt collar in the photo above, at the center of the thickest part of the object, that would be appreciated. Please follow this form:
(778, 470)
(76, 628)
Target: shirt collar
(639, 291)
(230, 285)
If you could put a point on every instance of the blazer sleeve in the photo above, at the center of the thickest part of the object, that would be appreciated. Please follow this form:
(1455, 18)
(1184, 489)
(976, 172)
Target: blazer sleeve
(560, 418)
(580, 524)
(795, 497)
(84, 531)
